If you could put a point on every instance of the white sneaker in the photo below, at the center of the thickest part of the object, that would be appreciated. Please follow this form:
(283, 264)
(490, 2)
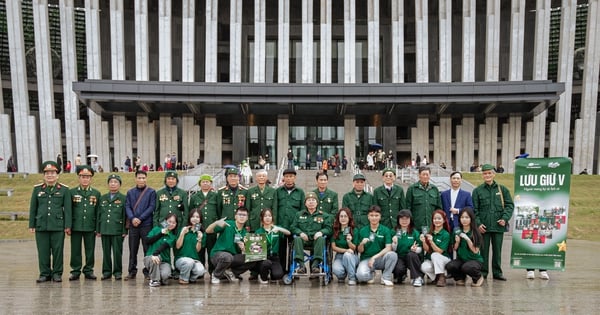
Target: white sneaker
(418, 282)
(544, 275)
(154, 283)
(531, 275)
(230, 276)
(214, 280)
(351, 282)
(387, 283)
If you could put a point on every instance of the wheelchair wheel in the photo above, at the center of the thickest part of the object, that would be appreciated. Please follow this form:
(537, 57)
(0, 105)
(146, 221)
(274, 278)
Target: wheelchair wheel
(287, 279)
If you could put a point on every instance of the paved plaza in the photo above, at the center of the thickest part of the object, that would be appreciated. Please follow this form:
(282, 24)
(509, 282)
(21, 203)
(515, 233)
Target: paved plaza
(575, 291)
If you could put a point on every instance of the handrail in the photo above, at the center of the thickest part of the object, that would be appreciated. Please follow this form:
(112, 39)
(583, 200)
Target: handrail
(280, 172)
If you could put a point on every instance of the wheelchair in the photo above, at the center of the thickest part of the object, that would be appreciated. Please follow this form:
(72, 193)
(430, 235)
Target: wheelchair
(325, 273)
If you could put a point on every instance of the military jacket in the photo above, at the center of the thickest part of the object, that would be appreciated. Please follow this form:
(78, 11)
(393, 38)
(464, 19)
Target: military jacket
(390, 203)
(288, 205)
(359, 206)
(85, 208)
(328, 201)
(50, 208)
(171, 201)
(422, 201)
(257, 201)
(487, 202)
(229, 200)
(310, 224)
(111, 215)
(209, 209)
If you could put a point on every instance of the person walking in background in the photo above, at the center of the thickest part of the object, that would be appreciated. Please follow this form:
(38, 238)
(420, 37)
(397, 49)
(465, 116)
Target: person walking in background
(290, 158)
(85, 210)
(50, 219)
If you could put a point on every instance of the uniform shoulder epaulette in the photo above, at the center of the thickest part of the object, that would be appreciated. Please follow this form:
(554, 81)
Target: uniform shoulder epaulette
(39, 185)
(222, 188)
(63, 185)
(243, 187)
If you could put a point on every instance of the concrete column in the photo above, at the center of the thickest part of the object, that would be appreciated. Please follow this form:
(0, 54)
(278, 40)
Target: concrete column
(117, 40)
(98, 139)
(26, 156)
(74, 138)
(212, 18)
(326, 49)
(492, 41)
(1, 98)
(190, 144)
(540, 72)
(307, 41)
(560, 146)
(146, 144)
(488, 140)
(283, 42)
(397, 41)
(442, 141)
(468, 41)
(529, 138)
(142, 51)
(349, 41)
(239, 144)
(445, 38)
(507, 149)
(421, 41)
(283, 138)
(373, 40)
(421, 137)
(467, 150)
(213, 141)
(167, 136)
(5, 141)
(235, 41)
(119, 146)
(44, 80)
(583, 154)
(188, 18)
(517, 35)
(350, 137)
(164, 40)
(105, 148)
(459, 163)
(260, 33)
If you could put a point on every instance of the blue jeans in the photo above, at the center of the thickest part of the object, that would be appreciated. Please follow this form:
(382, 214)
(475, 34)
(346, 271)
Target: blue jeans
(189, 269)
(386, 264)
(345, 264)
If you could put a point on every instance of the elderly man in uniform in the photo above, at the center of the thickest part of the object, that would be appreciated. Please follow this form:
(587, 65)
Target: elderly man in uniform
(206, 201)
(85, 209)
(261, 196)
(50, 218)
(111, 228)
(311, 226)
(171, 199)
(422, 198)
(358, 200)
(232, 195)
(390, 198)
(493, 208)
(290, 200)
(328, 199)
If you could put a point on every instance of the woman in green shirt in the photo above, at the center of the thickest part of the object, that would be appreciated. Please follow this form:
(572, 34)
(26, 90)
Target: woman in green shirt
(274, 234)
(435, 245)
(407, 245)
(158, 257)
(345, 260)
(190, 241)
(467, 242)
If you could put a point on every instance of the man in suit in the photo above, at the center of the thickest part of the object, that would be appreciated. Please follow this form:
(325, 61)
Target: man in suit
(454, 199)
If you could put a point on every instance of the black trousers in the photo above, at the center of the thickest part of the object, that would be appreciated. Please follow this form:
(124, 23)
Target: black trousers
(137, 234)
(459, 269)
(272, 266)
(411, 262)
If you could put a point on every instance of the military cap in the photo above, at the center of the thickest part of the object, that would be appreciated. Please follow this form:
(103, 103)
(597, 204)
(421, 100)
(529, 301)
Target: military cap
(289, 171)
(310, 195)
(487, 167)
(232, 170)
(388, 169)
(358, 176)
(84, 170)
(50, 166)
(114, 176)
(171, 174)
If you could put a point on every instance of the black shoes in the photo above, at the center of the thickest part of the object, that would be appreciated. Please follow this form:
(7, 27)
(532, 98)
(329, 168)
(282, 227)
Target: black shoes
(43, 279)
(104, 277)
(500, 277)
(73, 277)
(56, 279)
(91, 277)
(130, 276)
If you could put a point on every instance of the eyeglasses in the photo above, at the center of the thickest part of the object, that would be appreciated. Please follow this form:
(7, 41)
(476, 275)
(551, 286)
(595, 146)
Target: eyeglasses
(242, 214)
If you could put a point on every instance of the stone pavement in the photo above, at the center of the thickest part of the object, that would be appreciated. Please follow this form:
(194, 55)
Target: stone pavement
(575, 291)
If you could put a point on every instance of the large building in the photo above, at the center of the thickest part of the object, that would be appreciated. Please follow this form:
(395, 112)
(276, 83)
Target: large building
(461, 82)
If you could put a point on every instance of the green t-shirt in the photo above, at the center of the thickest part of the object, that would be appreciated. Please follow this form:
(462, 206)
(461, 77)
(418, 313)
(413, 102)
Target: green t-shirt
(188, 249)
(406, 241)
(227, 238)
(441, 240)
(273, 240)
(170, 238)
(341, 241)
(464, 253)
(378, 240)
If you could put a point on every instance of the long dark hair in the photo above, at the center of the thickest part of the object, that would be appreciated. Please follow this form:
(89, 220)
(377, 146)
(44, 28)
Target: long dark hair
(411, 224)
(176, 222)
(189, 221)
(337, 226)
(446, 226)
(476, 236)
(263, 212)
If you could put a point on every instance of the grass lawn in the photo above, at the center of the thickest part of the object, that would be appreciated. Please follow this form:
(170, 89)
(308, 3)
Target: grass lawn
(584, 218)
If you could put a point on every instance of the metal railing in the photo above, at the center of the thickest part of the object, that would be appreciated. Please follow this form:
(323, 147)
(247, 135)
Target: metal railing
(279, 177)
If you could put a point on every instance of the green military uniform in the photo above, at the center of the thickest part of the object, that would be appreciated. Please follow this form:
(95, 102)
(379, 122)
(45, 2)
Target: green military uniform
(111, 226)
(328, 201)
(289, 203)
(84, 207)
(50, 215)
(379, 239)
(422, 201)
(171, 200)
(309, 224)
(359, 204)
(258, 200)
(489, 208)
(390, 203)
(229, 200)
(208, 205)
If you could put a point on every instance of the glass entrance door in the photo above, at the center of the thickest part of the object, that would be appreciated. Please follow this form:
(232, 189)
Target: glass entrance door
(326, 141)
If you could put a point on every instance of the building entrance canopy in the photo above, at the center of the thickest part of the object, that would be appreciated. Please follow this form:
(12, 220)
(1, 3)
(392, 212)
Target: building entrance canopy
(396, 102)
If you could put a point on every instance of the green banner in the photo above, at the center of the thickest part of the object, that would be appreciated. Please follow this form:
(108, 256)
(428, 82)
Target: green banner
(539, 238)
(255, 247)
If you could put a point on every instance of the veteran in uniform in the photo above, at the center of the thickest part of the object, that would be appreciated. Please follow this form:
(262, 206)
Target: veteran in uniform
(311, 226)
(206, 201)
(85, 204)
(171, 199)
(390, 198)
(422, 198)
(327, 198)
(50, 218)
(111, 228)
(261, 196)
(232, 195)
(358, 200)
